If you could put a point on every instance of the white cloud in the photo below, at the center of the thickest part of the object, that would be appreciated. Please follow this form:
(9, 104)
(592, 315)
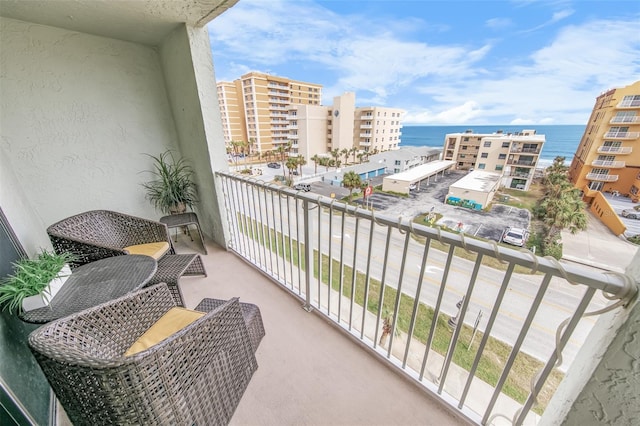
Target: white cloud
(556, 17)
(386, 63)
(498, 23)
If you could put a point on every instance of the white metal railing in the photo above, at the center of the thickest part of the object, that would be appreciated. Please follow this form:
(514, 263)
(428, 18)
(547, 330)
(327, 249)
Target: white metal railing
(601, 177)
(608, 163)
(603, 149)
(625, 119)
(622, 135)
(375, 276)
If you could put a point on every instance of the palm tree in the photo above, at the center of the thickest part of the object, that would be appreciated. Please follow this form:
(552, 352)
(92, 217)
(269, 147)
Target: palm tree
(561, 207)
(301, 162)
(351, 180)
(335, 153)
(346, 153)
(354, 151)
(237, 146)
(361, 156)
(316, 160)
(324, 161)
(292, 164)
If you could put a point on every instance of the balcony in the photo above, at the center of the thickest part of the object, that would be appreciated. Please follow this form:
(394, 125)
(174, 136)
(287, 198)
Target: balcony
(270, 227)
(365, 135)
(623, 150)
(602, 177)
(622, 135)
(520, 162)
(366, 126)
(526, 150)
(608, 164)
(622, 120)
(315, 368)
(628, 104)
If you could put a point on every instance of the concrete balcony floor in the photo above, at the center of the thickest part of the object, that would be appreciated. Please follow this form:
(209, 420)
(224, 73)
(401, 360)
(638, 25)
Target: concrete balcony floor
(309, 372)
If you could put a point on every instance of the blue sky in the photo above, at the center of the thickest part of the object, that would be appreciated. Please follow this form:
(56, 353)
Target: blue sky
(444, 62)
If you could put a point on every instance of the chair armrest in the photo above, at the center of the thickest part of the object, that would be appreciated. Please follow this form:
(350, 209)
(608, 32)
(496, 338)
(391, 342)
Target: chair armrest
(101, 335)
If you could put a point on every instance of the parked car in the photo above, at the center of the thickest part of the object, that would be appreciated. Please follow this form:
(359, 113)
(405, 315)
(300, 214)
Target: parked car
(302, 187)
(273, 165)
(515, 236)
(631, 213)
(413, 187)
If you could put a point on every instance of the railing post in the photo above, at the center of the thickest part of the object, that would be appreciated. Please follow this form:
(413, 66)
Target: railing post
(308, 258)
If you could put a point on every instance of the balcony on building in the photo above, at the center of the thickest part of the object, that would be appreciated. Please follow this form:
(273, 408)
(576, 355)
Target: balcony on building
(322, 360)
(615, 150)
(599, 177)
(631, 103)
(366, 126)
(365, 135)
(608, 164)
(622, 135)
(622, 120)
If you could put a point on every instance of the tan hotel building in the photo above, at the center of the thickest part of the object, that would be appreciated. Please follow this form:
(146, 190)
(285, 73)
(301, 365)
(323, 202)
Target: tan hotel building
(608, 156)
(514, 155)
(256, 107)
(274, 111)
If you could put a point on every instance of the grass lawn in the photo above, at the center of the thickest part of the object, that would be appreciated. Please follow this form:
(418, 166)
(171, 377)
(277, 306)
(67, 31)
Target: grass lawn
(495, 353)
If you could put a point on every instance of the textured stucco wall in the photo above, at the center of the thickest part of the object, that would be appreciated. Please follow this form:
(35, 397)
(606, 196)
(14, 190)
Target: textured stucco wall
(188, 68)
(602, 386)
(77, 114)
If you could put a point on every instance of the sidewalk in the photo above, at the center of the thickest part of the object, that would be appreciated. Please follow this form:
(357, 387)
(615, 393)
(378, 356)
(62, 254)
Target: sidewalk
(597, 247)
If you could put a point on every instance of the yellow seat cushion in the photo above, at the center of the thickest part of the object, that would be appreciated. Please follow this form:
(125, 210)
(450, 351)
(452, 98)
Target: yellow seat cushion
(171, 322)
(155, 250)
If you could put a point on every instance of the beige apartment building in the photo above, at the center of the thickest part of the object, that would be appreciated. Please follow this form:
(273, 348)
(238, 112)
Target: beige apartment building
(514, 155)
(608, 156)
(274, 111)
(256, 108)
(319, 130)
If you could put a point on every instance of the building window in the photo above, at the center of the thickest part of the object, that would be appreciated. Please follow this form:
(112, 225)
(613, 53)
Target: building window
(506, 144)
(502, 156)
(487, 144)
(481, 166)
(499, 168)
(398, 162)
(484, 155)
(465, 139)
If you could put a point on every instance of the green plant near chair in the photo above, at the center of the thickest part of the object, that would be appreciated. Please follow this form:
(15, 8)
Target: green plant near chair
(172, 188)
(31, 277)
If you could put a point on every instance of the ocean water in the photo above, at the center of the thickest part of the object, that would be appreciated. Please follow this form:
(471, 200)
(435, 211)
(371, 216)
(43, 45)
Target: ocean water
(561, 140)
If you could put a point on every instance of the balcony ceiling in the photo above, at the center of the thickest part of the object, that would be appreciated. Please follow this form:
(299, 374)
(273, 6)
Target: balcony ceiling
(140, 21)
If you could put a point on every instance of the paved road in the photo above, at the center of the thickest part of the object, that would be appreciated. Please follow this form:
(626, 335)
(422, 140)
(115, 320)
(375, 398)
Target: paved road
(557, 305)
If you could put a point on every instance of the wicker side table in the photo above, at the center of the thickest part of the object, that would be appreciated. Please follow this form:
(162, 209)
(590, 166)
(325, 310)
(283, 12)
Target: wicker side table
(250, 313)
(173, 266)
(184, 219)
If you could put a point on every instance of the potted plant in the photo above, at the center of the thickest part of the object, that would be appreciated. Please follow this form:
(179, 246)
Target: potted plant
(172, 188)
(35, 281)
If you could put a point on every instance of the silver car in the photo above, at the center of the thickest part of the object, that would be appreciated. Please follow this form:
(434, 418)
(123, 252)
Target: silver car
(631, 213)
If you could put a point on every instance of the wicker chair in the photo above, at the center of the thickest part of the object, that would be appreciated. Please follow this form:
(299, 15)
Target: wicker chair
(196, 376)
(97, 234)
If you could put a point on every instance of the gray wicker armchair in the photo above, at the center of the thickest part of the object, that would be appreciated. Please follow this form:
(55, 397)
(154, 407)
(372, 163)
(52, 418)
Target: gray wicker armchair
(196, 376)
(97, 234)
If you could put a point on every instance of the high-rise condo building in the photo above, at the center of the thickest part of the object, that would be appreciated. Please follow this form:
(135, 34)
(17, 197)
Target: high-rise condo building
(255, 108)
(321, 129)
(274, 111)
(514, 155)
(608, 156)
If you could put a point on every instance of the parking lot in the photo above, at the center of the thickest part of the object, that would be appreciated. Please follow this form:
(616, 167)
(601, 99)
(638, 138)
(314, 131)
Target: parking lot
(430, 198)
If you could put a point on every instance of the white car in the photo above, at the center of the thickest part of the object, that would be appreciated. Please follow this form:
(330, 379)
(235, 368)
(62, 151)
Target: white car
(515, 236)
(631, 213)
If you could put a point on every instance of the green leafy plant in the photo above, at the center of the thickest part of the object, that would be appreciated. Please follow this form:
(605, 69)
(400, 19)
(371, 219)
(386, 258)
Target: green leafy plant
(31, 277)
(172, 188)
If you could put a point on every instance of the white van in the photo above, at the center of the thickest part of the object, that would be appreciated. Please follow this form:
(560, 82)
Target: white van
(302, 187)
